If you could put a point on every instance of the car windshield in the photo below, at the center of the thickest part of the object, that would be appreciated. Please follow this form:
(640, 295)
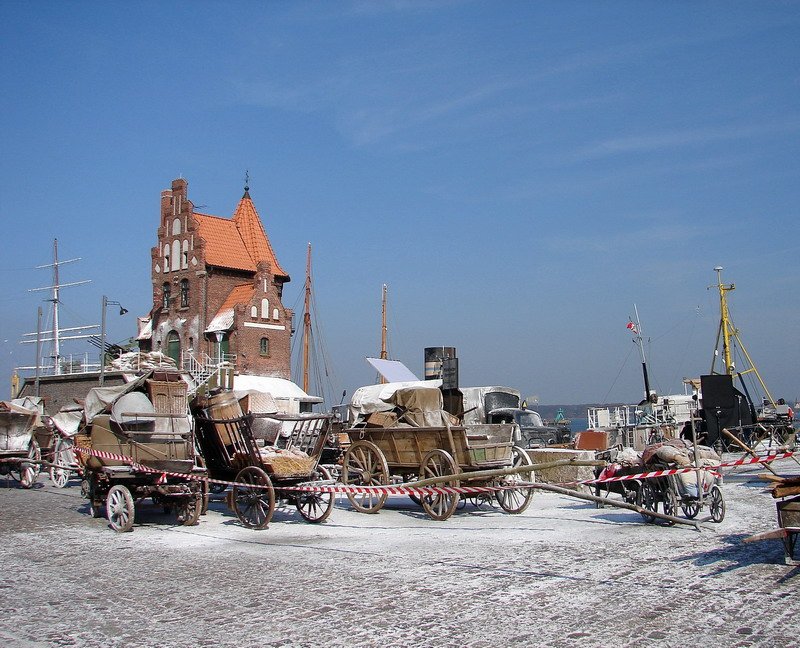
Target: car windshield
(529, 419)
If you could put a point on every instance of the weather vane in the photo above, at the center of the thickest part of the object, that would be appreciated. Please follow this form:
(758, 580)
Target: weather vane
(247, 180)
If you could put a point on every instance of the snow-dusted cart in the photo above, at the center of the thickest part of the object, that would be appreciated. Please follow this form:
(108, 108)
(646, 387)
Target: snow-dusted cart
(133, 447)
(19, 452)
(262, 473)
(680, 491)
(382, 456)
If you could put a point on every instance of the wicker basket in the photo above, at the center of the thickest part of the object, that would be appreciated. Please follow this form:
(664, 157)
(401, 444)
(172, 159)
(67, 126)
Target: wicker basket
(168, 397)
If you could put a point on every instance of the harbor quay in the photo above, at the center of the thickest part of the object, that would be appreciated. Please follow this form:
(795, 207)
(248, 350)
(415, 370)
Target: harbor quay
(562, 573)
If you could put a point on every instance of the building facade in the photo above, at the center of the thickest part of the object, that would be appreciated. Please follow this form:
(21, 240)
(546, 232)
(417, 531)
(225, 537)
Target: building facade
(217, 289)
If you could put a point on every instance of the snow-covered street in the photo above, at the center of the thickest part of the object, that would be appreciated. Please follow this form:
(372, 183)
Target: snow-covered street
(564, 573)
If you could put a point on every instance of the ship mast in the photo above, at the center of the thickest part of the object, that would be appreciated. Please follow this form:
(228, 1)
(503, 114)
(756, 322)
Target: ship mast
(640, 344)
(384, 353)
(307, 320)
(728, 332)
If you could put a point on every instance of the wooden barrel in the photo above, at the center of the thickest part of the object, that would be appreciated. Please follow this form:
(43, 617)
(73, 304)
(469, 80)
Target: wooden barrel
(224, 406)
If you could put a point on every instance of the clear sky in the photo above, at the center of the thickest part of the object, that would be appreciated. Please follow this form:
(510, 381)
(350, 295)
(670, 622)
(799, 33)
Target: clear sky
(520, 174)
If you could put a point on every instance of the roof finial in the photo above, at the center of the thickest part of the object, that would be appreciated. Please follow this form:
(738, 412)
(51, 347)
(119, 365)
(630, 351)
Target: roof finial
(246, 183)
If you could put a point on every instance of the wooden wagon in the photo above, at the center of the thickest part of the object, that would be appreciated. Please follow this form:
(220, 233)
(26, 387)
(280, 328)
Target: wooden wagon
(262, 472)
(382, 456)
(19, 450)
(132, 451)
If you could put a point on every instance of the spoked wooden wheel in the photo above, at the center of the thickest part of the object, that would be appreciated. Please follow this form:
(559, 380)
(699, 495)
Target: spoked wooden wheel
(717, 504)
(254, 504)
(188, 510)
(365, 465)
(690, 509)
(316, 507)
(646, 499)
(438, 463)
(516, 500)
(669, 501)
(27, 472)
(119, 508)
(64, 458)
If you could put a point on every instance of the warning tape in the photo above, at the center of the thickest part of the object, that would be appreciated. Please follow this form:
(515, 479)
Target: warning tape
(410, 489)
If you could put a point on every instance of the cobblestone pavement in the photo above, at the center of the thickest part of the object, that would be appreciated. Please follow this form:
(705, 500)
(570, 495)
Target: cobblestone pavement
(564, 573)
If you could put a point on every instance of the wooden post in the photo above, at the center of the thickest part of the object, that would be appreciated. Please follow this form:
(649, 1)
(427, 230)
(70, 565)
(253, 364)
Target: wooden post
(746, 448)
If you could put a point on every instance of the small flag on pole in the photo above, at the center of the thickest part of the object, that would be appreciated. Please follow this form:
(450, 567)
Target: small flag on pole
(632, 327)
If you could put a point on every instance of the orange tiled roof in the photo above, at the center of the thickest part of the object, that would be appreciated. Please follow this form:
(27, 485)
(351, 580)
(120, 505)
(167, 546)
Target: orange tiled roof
(255, 238)
(224, 246)
(239, 243)
(223, 320)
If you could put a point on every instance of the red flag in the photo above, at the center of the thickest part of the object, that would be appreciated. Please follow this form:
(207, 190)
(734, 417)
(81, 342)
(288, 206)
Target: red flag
(632, 327)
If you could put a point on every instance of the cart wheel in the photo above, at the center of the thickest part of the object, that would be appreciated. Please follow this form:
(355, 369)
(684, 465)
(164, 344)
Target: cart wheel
(119, 508)
(254, 504)
(96, 505)
(205, 487)
(315, 507)
(717, 504)
(188, 510)
(669, 502)
(26, 473)
(365, 465)
(646, 499)
(64, 458)
(516, 500)
(438, 463)
(690, 509)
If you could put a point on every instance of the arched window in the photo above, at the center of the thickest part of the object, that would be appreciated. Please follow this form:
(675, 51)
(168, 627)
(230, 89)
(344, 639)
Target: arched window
(263, 347)
(265, 308)
(254, 312)
(176, 254)
(176, 227)
(166, 257)
(185, 255)
(275, 314)
(184, 293)
(166, 293)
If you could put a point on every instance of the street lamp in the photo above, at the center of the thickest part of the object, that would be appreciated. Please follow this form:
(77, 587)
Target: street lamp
(122, 311)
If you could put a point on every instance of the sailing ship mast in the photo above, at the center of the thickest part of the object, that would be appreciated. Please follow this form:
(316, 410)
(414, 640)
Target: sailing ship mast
(384, 352)
(307, 320)
(56, 333)
(727, 332)
(637, 331)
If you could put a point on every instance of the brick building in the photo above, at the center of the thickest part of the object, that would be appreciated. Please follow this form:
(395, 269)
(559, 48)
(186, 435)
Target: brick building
(217, 289)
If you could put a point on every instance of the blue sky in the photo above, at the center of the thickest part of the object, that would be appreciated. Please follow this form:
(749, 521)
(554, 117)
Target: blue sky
(520, 174)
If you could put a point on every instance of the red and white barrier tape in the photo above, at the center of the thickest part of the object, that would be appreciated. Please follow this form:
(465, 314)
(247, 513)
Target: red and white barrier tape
(410, 489)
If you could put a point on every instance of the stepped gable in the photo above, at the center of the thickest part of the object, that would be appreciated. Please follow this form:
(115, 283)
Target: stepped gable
(223, 320)
(251, 231)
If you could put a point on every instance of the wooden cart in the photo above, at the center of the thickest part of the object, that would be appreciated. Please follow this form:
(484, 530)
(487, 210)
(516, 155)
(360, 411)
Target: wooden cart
(140, 452)
(671, 493)
(381, 456)
(19, 450)
(262, 474)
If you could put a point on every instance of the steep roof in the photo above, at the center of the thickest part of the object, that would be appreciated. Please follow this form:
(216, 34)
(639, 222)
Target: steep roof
(223, 320)
(255, 238)
(224, 246)
(239, 243)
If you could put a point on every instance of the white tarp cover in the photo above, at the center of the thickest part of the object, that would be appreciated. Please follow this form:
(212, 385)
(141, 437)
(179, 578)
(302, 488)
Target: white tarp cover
(422, 406)
(68, 422)
(474, 410)
(392, 370)
(377, 398)
(16, 425)
(286, 394)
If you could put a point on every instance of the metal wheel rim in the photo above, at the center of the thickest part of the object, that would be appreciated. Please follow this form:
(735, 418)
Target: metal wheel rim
(438, 463)
(516, 500)
(316, 507)
(365, 460)
(254, 505)
(120, 508)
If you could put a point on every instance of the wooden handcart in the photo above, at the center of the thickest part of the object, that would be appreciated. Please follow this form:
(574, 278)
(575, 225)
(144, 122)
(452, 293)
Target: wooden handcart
(391, 455)
(262, 473)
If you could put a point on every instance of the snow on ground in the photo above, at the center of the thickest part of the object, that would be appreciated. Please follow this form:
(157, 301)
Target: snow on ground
(564, 573)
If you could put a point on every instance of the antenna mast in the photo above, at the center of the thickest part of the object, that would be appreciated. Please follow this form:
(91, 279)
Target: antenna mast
(384, 353)
(641, 352)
